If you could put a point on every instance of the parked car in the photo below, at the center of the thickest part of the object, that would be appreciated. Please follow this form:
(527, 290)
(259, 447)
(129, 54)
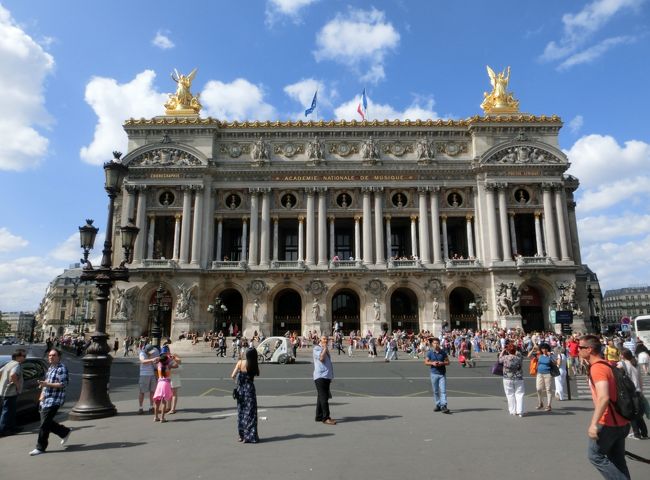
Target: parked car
(33, 370)
(6, 341)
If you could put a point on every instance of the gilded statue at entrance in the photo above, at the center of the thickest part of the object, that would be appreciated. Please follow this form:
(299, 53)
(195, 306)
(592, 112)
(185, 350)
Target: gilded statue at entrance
(183, 102)
(499, 100)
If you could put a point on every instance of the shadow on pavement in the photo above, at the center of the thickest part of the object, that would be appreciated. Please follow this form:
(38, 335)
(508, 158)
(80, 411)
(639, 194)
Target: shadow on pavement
(294, 436)
(367, 418)
(99, 446)
(465, 410)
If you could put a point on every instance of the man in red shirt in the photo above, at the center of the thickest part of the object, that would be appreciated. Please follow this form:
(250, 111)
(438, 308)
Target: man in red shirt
(574, 359)
(607, 429)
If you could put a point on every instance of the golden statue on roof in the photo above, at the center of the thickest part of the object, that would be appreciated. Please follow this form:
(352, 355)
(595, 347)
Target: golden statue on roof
(499, 100)
(183, 102)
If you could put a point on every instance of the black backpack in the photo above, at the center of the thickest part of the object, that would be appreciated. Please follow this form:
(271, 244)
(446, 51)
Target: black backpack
(627, 402)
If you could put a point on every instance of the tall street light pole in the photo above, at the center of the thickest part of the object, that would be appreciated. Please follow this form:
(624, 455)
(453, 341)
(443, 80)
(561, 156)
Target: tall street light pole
(158, 308)
(94, 401)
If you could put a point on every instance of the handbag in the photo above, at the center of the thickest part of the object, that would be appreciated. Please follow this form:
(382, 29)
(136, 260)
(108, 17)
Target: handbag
(555, 370)
(497, 369)
(533, 366)
(235, 394)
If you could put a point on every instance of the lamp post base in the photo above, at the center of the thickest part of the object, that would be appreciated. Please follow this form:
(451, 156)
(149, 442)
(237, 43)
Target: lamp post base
(94, 401)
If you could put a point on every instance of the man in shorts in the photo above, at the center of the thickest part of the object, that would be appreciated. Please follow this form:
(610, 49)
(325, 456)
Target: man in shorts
(147, 383)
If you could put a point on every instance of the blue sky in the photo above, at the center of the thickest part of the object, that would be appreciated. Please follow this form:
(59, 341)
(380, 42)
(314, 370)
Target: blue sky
(72, 71)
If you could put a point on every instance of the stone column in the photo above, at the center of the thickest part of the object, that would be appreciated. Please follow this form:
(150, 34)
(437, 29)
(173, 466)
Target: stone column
(549, 226)
(311, 220)
(357, 238)
(177, 236)
(367, 228)
(150, 235)
(141, 222)
(561, 224)
(253, 241)
(445, 239)
(244, 239)
(425, 256)
(265, 231)
(478, 239)
(414, 235)
(379, 231)
(435, 225)
(470, 238)
(322, 227)
(503, 217)
(196, 226)
(492, 222)
(538, 235)
(333, 238)
(207, 241)
(185, 226)
(389, 240)
(573, 228)
(301, 238)
(513, 234)
(219, 238)
(276, 237)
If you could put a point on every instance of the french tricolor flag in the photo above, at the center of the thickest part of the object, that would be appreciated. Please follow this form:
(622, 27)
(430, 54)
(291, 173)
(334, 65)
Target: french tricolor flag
(362, 109)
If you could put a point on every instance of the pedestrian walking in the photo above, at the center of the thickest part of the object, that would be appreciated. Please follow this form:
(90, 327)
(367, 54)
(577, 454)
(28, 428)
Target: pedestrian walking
(163, 395)
(560, 380)
(607, 429)
(513, 379)
(323, 375)
(437, 359)
(244, 375)
(642, 356)
(543, 379)
(51, 398)
(176, 382)
(11, 385)
(147, 382)
(629, 365)
(116, 346)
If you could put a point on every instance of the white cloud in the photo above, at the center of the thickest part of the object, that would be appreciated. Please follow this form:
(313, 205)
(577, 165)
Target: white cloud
(9, 241)
(24, 65)
(592, 53)
(359, 39)
(628, 191)
(303, 93)
(162, 40)
(576, 123)
(69, 251)
(619, 264)
(114, 103)
(604, 228)
(23, 282)
(238, 100)
(421, 108)
(276, 9)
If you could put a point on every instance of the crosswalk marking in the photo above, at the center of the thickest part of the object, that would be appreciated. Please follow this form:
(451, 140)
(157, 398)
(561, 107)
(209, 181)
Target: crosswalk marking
(582, 386)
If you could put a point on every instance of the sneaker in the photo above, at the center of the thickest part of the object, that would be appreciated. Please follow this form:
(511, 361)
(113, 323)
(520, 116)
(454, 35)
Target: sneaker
(64, 440)
(140, 411)
(437, 409)
(444, 409)
(35, 452)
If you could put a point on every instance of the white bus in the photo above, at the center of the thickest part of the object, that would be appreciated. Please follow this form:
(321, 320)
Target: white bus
(642, 328)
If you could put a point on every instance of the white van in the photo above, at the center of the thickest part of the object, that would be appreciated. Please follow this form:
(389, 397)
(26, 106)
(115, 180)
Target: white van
(642, 328)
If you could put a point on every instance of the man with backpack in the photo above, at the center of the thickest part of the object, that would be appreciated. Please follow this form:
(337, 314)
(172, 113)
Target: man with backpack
(608, 428)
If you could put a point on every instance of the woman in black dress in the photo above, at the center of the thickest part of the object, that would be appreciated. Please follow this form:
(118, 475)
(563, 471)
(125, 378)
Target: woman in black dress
(244, 373)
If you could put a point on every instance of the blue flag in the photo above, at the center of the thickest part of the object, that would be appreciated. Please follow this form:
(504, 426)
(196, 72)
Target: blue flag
(313, 104)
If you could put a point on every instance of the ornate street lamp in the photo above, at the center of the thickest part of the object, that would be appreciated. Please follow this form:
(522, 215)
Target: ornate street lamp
(158, 308)
(217, 309)
(94, 401)
(478, 307)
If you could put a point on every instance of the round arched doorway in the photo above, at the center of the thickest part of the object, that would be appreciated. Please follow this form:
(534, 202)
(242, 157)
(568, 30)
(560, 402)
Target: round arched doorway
(404, 311)
(460, 315)
(234, 303)
(345, 310)
(165, 313)
(531, 307)
(287, 312)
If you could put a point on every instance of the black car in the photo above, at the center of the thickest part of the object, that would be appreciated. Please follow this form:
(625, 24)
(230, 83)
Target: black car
(33, 370)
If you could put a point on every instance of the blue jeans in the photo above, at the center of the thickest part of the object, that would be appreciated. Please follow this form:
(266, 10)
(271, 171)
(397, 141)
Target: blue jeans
(8, 415)
(439, 385)
(607, 453)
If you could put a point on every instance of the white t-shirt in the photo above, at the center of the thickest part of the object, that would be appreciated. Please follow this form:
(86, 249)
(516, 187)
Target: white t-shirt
(146, 369)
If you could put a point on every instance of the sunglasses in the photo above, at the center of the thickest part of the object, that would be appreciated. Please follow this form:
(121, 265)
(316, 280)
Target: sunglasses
(582, 347)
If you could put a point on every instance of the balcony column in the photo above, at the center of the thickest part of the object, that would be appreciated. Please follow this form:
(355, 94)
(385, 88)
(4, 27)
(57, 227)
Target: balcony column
(196, 226)
(141, 222)
(129, 202)
(322, 226)
(478, 239)
(311, 219)
(492, 222)
(266, 228)
(503, 218)
(301, 238)
(389, 240)
(538, 235)
(253, 241)
(414, 236)
(379, 231)
(219, 238)
(185, 225)
(207, 240)
(549, 225)
(445, 239)
(367, 228)
(435, 225)
(470, 238)
(276, 236)
(357, 238)
(424, 228)
(150, 236)
(513, 234)
(560, 208)
(333, 238)
(244, 239)
(177, 236)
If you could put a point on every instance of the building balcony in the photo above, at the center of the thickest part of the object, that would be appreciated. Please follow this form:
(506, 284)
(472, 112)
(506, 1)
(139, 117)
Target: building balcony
(230, 265)
(346, 265)
(460, 263)
(159, 263)
(288, 265)
(523, 262)
(404, 264)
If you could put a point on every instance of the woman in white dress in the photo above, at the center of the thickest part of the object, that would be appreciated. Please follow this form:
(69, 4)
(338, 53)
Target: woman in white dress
(560, 380)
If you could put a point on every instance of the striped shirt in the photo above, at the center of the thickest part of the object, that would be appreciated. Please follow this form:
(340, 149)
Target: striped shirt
(55, 396)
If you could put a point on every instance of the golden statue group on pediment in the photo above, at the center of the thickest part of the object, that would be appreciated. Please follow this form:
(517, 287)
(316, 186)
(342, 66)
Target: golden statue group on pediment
(183, 102)
(499, 100)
